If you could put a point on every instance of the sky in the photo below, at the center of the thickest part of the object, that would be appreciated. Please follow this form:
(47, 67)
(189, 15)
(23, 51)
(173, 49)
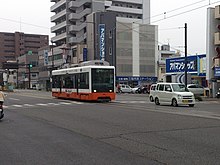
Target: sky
(31, 16)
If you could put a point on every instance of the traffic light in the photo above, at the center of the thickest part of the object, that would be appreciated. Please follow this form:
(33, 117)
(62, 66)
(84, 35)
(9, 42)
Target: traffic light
(30, 65)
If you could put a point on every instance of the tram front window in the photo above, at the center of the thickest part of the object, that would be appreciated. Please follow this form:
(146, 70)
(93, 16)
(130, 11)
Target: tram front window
(103, 80)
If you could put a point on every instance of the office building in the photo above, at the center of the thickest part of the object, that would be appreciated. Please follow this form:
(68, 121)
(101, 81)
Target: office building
(213, 49)
(70, 16)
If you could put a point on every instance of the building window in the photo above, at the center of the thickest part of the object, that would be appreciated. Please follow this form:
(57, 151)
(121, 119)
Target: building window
(110, 34)
(110, 50)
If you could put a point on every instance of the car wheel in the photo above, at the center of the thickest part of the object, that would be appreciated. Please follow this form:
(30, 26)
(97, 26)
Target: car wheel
(191, 105)
(145, 91)
(174, 103)
(157, 102)
(151, 99)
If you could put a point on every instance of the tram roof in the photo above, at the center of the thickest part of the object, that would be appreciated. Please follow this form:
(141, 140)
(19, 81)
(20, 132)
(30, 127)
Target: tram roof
(79, 69)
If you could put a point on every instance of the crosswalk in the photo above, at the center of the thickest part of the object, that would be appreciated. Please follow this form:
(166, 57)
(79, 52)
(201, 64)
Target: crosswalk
(42, 104)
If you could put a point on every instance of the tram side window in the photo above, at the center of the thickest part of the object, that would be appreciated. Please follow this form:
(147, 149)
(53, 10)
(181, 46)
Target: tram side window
(68, 82)
(84, 80)
(56, 81)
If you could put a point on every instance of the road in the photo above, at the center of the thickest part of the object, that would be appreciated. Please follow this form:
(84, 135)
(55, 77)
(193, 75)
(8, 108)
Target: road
(39, 129)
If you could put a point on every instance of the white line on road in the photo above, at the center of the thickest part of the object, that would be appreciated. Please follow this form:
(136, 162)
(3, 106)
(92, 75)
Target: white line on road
(19, 106)
(13, 99)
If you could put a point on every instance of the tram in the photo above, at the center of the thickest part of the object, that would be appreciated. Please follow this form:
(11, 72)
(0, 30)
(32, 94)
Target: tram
(85, 82)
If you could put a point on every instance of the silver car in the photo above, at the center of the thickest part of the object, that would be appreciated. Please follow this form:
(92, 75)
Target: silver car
(196, 89)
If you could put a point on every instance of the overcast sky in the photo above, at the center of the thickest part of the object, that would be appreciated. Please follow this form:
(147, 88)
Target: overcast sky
(33, 16)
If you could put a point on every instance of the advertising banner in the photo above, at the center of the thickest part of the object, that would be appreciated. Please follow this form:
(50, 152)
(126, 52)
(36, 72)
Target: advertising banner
(217, 71)
(45, 57)
(174, 65)
(102, 41)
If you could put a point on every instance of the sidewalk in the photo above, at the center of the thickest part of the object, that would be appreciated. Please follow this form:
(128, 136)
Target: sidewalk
(204, 98)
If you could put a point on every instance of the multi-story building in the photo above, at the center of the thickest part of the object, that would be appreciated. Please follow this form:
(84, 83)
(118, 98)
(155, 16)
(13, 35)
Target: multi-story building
(13, 45)
(70, 16)
(213, 49)
(163, 54)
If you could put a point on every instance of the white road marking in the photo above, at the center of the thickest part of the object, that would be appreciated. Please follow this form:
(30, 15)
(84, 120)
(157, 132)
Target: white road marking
(42, 104)
(28, 105)
(19, 106)
(14, 99)
(64, 103)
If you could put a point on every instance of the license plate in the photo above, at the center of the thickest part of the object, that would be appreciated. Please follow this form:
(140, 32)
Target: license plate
(187, 101)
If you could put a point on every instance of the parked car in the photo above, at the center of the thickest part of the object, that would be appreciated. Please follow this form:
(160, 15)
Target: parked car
(125, 89)
(143, 89)
(135, 89)
(152, 92)
(196, 89)
(174, 94)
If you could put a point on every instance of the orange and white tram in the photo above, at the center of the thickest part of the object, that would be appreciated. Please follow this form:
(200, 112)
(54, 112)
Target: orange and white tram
(92, 83)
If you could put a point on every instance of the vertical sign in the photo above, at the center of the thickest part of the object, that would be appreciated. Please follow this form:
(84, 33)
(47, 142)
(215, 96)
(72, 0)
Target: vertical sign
(102, 41)
(85, 54)
(45, 57)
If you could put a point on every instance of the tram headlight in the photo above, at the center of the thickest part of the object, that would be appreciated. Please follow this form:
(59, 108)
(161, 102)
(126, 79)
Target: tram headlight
(94, 91)
(110, 90)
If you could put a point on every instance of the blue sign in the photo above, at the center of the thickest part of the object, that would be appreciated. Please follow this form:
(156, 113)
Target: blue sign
(45, 57)
(174, 65)
(135, 78)
(217, 71)
(85, 52)
(102, 41)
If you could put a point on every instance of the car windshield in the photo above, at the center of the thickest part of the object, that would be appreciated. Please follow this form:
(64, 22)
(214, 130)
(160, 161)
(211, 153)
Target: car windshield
(179, 88)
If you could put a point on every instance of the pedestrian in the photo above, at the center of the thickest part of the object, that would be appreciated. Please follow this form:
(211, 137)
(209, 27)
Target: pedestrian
(2, 99)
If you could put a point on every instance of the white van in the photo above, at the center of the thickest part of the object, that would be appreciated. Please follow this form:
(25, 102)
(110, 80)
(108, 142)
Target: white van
(174, 94)
(152, 92)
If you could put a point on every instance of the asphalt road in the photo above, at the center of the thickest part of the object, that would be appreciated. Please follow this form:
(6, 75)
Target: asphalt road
(38, 129)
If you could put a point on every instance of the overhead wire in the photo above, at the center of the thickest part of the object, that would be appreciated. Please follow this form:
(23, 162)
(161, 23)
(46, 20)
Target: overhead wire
(140, 25)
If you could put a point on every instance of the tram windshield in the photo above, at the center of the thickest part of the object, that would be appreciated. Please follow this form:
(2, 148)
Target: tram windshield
(102, 80)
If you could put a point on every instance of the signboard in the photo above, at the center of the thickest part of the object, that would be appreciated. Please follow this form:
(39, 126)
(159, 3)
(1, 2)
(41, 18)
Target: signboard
(217, 71)
(201, 59)
(102, 41)
(174, 65)
(133, 78)
(45, 57)
(85, 52)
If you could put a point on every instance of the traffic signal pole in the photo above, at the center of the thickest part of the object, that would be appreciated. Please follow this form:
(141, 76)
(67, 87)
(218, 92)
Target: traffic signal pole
(29, 76)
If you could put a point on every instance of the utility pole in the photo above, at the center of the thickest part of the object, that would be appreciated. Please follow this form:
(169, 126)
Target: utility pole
(29, 75)
(186, 56)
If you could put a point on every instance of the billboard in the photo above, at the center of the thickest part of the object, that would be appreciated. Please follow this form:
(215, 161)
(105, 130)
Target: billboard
(195, 65)
(217, 72)
(102, 41)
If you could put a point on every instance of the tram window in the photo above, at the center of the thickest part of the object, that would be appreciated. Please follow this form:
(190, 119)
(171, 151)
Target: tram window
(84, 80)
(56, 81)
(67, 83)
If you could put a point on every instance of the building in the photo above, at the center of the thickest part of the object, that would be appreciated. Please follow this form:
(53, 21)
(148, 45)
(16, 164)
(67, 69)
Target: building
(28, 72)
(163, 54)
(13, 45)
(70, 16)
(213, 49)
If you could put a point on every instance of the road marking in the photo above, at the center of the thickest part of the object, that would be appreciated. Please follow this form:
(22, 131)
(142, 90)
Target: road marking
(64, 103)
(28, 105)
(19, 106)
(13, 99)
(42, 104)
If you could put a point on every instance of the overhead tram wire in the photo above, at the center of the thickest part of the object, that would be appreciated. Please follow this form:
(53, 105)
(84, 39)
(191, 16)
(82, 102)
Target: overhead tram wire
(148, 18)
(172, 15)
(20, 22)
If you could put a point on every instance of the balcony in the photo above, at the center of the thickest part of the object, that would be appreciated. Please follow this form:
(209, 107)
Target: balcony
(76, 28)
(58, 26)
(75, 4)
(217, 12)
(57, 5)
(217, 38)
(77, 39)
(58, 15)
(59, 37)
(77, 16)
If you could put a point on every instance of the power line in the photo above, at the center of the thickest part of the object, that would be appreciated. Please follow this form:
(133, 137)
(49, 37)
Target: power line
(20, 22)
(171, 16)
(148, 18)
